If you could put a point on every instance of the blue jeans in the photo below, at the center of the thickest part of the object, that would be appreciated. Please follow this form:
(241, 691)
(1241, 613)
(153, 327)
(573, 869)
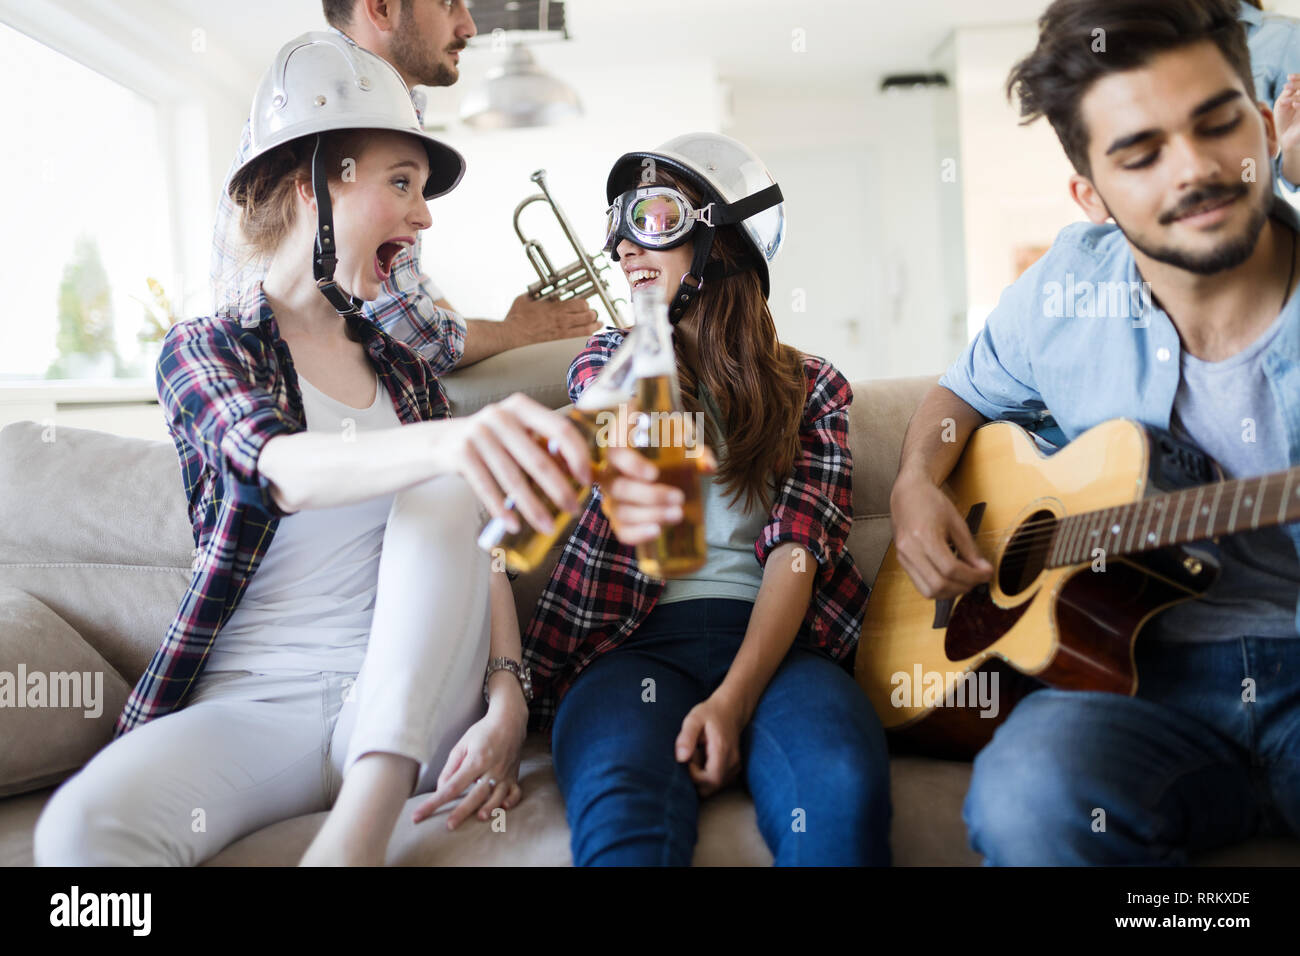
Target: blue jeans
(813, 756)
(1189, 764)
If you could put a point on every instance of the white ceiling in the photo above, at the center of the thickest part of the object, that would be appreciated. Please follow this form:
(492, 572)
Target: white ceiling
(854, 41)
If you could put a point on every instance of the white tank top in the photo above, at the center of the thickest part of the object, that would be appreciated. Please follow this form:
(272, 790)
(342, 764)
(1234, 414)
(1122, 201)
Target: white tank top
(308, 607)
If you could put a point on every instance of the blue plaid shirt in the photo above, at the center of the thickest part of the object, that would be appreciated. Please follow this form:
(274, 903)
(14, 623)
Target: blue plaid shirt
(227, 386)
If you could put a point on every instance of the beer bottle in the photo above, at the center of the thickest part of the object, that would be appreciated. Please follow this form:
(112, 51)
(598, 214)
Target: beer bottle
(664, 434)
(525, 549)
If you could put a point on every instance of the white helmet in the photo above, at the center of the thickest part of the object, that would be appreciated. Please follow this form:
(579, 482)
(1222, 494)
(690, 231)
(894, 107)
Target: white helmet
(727, 173)
(322, 82)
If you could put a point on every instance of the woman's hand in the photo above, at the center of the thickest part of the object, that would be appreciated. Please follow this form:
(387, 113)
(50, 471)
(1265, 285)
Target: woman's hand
(497, 446)
(488, 751)
(710, 740)
(637, 507)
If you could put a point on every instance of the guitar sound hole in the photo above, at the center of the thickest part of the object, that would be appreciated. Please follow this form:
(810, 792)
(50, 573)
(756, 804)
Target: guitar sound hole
(1026, 553)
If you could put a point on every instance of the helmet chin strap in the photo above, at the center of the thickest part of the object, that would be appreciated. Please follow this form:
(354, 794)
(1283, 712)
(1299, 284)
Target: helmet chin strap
(702, 272)
(325, 259)
(692, 283)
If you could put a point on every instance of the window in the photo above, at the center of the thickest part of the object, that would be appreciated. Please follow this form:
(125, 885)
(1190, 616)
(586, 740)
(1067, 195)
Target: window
(86, 220)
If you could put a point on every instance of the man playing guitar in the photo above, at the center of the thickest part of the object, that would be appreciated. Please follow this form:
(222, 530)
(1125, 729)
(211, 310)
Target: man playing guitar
(1155, 107)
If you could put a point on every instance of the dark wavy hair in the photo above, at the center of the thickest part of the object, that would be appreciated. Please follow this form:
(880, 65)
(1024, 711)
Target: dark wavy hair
(757, 381)
(1072, 54)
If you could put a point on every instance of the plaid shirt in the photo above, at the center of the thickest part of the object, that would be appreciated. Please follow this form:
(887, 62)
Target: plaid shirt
(597, 597)
(405, 308)
(227, 386)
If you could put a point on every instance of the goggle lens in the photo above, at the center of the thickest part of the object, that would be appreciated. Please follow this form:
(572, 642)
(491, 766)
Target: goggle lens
(657, 215)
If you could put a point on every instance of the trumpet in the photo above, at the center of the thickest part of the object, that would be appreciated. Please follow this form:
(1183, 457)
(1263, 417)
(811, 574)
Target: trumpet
(580, 279)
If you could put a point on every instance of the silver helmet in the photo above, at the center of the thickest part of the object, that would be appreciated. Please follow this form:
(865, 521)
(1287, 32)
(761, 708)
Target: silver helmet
(321, 82)
(726, 171)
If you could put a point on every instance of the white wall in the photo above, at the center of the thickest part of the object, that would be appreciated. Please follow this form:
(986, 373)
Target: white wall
(1014, 178)
(860, 173)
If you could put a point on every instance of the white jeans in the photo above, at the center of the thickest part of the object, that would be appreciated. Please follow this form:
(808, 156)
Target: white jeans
(249, 750)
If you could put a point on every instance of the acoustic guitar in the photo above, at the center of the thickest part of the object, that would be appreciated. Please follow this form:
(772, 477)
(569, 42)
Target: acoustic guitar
(1086, 544)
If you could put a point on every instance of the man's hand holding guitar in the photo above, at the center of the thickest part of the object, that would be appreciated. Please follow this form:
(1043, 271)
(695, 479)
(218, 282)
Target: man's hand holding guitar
(933, 544)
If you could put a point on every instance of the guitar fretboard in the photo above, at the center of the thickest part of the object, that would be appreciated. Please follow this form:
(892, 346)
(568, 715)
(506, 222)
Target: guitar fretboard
(1193, 514)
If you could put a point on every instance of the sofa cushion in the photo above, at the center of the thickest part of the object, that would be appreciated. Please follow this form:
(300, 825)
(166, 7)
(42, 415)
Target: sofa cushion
(877, 421)
(88, 497)
(94, 525)
(58, 697)
(535, 832)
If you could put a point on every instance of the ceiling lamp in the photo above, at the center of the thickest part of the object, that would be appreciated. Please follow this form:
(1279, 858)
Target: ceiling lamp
(518, 94)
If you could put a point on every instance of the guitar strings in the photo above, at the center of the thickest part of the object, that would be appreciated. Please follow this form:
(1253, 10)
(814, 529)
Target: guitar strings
(1040, 533)
(1057, 520)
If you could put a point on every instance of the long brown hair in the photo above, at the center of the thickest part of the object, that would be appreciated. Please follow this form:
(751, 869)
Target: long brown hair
(757, 382)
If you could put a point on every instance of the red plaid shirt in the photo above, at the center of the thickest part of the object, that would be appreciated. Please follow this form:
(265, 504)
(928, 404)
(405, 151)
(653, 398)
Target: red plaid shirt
(227, 386)
(597, 597)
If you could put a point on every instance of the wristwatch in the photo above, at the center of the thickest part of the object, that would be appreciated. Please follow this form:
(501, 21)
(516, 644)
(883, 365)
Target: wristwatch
(524, 675)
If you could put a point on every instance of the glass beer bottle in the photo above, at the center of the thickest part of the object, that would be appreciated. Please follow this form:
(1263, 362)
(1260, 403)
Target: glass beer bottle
(664, 434)
(525, 549)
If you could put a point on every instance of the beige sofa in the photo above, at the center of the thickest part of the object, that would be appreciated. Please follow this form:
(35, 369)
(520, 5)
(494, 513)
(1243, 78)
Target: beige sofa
(95, 550)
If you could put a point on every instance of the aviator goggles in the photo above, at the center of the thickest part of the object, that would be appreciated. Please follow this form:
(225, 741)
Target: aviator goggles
(654, 217)
(659, 217)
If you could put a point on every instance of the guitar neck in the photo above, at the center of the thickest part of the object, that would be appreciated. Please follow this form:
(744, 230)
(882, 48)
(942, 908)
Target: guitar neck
(1193, 514)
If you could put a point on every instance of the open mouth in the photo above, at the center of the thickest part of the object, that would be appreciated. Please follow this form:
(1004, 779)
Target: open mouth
(384, 259)
(638, 278)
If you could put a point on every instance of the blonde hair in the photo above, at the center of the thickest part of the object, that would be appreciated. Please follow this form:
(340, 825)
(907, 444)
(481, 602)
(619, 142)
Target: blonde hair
(266, 195)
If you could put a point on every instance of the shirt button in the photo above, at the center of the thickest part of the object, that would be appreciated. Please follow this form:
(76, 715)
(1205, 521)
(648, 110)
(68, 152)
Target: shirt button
(1163, 354)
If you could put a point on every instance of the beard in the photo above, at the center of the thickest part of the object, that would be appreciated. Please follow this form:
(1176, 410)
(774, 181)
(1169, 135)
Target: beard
(1229, 254)
(414, 57)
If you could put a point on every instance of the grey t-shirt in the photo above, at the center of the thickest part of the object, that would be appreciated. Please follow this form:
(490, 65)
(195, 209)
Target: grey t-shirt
(732, 570)
(1228, 410)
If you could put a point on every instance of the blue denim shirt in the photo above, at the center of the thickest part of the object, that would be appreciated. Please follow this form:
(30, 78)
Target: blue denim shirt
(1074, 343)
(1274, 42)
(1274, 50)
